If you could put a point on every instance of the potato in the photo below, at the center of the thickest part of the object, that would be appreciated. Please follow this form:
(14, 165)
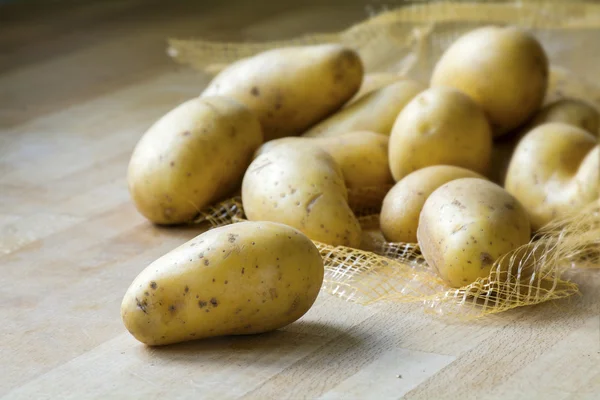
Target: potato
(374, 81)
(362, 156)
(467, 224)
(554, 170)
(399, 217)
(239, 279)
(504, 69)
(192, 156)
(440, 126)
(292, 88)
(569, 111)
(374, 112)
(301, 186)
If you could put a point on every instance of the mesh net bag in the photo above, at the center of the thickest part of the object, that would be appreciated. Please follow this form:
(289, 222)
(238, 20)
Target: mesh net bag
(409, 40)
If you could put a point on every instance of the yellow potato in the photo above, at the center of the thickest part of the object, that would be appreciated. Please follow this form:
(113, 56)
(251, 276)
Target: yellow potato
(292, 88)
(301, 186)
(402, 205)
(239, 279)
(504, 69)
(374, 81)
(554, 170)
(191, 157)
(569, 111)
(374, 112)
(467, 224)
(362, 156)
(440, 126)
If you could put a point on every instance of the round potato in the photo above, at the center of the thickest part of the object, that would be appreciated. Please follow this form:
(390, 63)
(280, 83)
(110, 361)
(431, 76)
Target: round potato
(301, 186)
(375, 112)
(504, 69)
(399, 217)
(467, 224)
(191, 157)
(569, 111)
(239, 279)
(441, 126)
(554, 170)
(291, 88)
(362, 156)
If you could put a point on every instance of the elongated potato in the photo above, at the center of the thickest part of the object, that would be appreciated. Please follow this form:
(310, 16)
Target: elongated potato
(374, 81)
(375, 112)
(292, 88)
(399, 218)
(301, 186)
(440, 126)
(504, 69)
(362, 156)
(191, 157)
(468, 223)
(239, 279)
(555, 169)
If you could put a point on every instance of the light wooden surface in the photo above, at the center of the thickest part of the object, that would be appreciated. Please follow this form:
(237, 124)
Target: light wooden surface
(79, 83)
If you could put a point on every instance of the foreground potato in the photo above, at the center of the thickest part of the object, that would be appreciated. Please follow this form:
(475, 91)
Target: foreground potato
(239, 279)
(376, 111)
(194, 155)
(292, 88)
(569, 111)
(466, 225)
(402, 205)
(440, 126)
(362, 156)
(301, 186)
(504, 69)
(554, 170)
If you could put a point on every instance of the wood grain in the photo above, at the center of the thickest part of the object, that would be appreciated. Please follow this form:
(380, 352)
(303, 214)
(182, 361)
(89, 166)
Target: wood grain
(79, 84)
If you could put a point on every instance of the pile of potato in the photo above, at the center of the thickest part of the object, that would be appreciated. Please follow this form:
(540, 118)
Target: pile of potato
(288, 128)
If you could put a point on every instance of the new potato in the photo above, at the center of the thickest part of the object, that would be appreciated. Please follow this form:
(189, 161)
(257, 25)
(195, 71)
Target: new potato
(374, 81)
(239, 279)
(194, 155)
(504, 69)
(362, 156)
(399, 217)
(292, 88)
(375, 111)
(301, 186)
(555, 169)
(468, 223)
(440, 126)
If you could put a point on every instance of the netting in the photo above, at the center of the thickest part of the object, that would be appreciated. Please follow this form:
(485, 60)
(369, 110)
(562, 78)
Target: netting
(408, 41)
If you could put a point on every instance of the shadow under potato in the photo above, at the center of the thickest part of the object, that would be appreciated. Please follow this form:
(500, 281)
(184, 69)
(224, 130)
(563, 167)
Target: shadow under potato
(265, 348)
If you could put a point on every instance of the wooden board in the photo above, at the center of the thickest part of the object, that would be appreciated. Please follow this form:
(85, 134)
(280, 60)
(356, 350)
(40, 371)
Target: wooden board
(79, 84)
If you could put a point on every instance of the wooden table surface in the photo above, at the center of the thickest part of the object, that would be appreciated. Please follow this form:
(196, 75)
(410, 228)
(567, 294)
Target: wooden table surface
(79, 83)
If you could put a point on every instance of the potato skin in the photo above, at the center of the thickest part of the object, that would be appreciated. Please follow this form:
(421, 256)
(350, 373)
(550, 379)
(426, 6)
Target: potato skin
(554, 170)
(374, 81)
(194, 155)
(399, 217)
(568, 111)
(292, 88)
(504, 69)
(468, 223)
(375, 111)
(440, 126)
(362, 156)
(239, 279)
(301, 186)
